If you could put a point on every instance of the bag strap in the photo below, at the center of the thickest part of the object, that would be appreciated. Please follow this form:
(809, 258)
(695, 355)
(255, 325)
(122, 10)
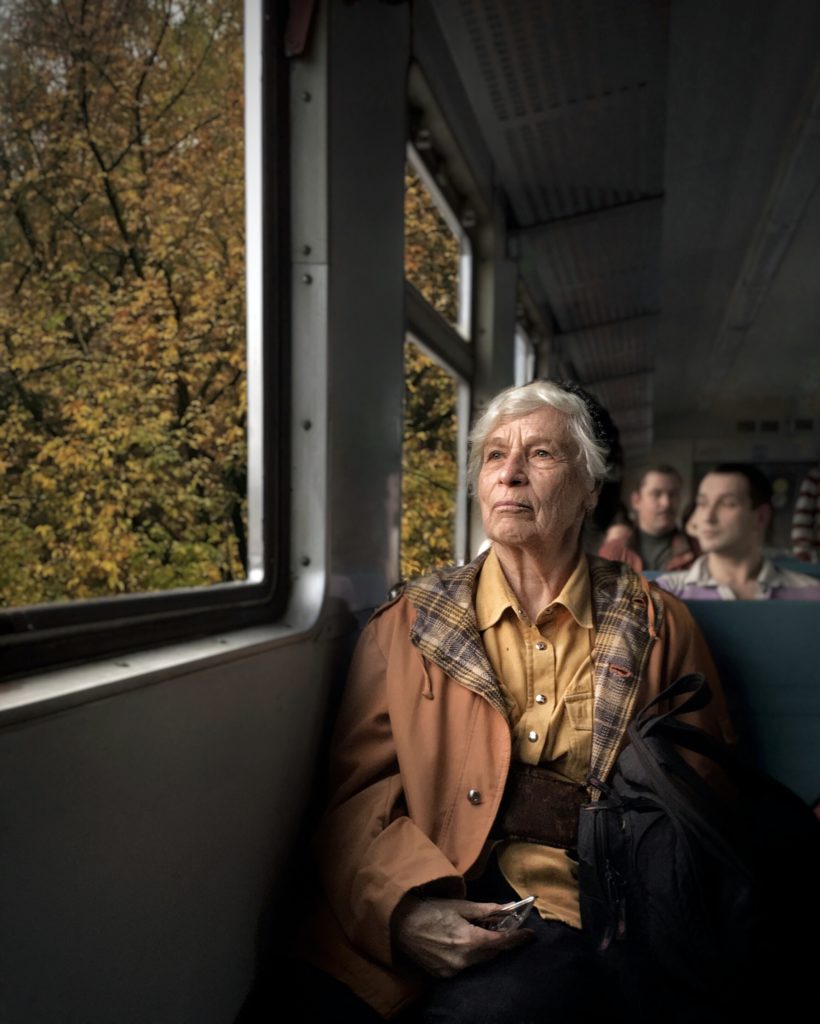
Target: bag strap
(694, 684)
(668, 725)
(679, 802)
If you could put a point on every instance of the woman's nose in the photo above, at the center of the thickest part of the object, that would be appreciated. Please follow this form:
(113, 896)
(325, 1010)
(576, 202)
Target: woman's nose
(513, 470)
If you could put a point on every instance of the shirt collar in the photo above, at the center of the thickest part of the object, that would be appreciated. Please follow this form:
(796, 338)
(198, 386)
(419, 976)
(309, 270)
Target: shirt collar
(698, 575)
(494, 596)
(769, 576)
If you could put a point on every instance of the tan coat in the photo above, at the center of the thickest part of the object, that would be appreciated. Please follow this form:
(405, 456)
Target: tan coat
(421, 755)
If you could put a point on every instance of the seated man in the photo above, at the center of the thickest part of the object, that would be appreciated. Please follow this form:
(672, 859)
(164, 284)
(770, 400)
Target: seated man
(654, 542)
(732, 511)
(531, 655)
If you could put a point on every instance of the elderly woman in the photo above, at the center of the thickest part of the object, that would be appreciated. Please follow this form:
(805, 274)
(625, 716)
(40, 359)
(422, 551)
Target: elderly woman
(476, 694)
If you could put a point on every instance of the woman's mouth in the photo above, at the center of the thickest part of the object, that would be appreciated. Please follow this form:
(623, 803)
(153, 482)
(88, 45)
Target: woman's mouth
(511, 506)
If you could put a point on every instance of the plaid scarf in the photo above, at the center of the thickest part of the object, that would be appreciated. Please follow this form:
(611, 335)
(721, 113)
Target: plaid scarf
(626, 619)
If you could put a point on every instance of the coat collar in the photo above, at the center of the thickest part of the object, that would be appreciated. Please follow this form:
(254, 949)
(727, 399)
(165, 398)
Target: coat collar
(627, 616)
(445, 629)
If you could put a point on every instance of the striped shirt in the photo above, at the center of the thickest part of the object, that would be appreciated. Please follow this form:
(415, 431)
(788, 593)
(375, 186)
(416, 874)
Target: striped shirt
(773, 582)
(805, 536)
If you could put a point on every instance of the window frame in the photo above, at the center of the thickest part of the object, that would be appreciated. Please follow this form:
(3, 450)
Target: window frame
(463, 329)
(463, 393)
(451, 347)
(38, 637)
(525, 356)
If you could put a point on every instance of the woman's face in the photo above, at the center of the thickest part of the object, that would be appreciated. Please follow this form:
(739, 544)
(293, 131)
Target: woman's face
(532, 490)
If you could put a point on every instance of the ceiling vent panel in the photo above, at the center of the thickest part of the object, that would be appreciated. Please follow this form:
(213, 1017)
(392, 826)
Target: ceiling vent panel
(611, 351)
(555, 84)
(598, 269)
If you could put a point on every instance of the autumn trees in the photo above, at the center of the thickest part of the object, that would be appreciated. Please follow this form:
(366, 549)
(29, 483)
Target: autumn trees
(430, 428)
(122, 308)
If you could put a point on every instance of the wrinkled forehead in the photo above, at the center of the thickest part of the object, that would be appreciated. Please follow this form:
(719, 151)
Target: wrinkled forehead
(541, 425)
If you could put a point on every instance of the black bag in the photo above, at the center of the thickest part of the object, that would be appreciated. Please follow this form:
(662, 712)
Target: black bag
(687, 889)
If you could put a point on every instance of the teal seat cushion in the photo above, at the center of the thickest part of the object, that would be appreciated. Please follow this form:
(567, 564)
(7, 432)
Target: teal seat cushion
(807, 568)
(766, 656)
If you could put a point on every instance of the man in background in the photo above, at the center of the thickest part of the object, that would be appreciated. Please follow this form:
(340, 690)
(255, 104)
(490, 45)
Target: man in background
(732, 511)
(654, 542)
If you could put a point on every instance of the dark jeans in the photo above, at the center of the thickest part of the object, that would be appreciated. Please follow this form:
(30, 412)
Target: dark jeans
(554, 978)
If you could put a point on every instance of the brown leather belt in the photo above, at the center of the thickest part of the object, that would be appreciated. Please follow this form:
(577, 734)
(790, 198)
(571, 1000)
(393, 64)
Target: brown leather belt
(540, 807)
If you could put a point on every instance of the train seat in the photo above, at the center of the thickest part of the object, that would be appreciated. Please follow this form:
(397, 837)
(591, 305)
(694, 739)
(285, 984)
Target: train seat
(769, 671)
(810, 568)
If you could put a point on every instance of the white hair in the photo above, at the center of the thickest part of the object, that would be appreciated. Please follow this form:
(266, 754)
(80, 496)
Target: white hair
(527, 398)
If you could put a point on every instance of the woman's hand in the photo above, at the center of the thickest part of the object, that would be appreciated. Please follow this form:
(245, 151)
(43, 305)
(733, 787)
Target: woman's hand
(438, 934)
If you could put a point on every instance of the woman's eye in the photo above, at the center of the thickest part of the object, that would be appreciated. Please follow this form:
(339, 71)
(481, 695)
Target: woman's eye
(541, 453)
(493, 456)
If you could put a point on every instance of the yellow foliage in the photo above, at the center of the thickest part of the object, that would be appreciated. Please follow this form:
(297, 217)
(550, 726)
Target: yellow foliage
(122, 358)
(431, 251)
(430, 430)
(429, 465)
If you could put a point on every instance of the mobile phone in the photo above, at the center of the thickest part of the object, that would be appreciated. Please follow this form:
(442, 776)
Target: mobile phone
(510, 917)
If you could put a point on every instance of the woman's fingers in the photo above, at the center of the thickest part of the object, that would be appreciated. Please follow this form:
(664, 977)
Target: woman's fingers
(439, 934)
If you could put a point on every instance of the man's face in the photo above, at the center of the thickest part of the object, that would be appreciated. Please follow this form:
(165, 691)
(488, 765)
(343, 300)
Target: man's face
(656, 503)
(726, 522)
(532, 491)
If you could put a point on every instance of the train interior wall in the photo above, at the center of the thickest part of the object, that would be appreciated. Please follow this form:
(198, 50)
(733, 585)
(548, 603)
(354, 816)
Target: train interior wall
(142, 836)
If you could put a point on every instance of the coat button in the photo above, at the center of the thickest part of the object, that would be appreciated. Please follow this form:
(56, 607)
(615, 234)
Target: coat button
(474, 796)
(532, 735)
(540, 698)
(540, 646)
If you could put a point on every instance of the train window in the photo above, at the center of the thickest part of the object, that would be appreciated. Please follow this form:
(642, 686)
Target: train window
(129, 324)
(437, 366)
(437, 253)
(435, 411)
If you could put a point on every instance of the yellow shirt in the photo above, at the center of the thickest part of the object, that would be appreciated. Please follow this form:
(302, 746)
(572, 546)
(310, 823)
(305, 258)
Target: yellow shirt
(546, 675)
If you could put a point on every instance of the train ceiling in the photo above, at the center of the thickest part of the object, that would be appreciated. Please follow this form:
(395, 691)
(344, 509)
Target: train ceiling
(661, 162)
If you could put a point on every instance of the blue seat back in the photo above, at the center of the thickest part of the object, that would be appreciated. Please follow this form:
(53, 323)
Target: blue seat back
(808, 568)
(768, 665)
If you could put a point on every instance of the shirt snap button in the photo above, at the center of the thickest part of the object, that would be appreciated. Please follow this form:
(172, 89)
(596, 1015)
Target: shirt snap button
(540, 698)
(532, 735)
(540, 646)
(474, 796)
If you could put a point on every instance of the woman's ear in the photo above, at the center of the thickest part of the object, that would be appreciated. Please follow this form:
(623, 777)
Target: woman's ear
(594, 495)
